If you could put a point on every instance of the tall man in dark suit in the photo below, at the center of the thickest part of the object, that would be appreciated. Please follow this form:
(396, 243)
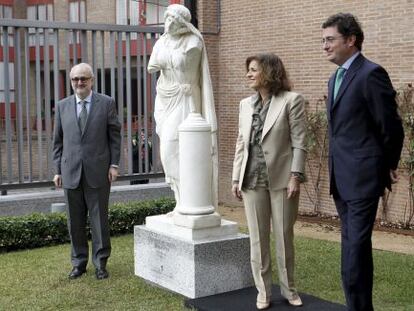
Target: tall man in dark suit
(365, 142)
(86, 151)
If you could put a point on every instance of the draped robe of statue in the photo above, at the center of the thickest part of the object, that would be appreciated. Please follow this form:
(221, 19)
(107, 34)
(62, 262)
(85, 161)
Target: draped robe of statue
(184, 86)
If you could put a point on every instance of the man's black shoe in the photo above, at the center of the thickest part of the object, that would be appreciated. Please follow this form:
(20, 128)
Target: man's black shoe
(76, 272)
(101, 273)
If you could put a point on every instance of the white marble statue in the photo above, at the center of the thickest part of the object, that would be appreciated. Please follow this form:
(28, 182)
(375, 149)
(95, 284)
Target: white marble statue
(184, 87)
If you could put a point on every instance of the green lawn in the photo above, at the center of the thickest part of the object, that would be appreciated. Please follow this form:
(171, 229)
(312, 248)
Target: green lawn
(318, 273)
(37, 280)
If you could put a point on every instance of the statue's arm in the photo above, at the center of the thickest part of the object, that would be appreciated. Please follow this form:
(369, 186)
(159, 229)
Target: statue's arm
(194, 49)
(194, 56)
(154, 64)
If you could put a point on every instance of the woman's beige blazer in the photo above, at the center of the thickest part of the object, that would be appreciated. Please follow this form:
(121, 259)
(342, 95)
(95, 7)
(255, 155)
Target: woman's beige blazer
(283, 138)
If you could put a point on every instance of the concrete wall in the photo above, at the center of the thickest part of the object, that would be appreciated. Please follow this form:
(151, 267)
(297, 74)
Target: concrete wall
(40, 202)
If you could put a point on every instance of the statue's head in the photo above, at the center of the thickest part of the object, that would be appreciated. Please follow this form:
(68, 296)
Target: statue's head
(177, 17)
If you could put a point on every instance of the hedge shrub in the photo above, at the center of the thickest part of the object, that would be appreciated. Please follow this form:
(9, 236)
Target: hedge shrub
(37, 230)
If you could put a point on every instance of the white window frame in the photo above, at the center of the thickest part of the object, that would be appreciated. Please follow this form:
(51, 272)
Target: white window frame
(77, 11)
(77, 14)
(39, 12)
(127, 13)
(155, 10)
(6, 11)
(11, 82)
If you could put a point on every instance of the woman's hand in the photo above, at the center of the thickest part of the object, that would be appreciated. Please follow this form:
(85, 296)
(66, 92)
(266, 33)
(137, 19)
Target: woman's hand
(394, 176)
(293, 188)
(236, 192)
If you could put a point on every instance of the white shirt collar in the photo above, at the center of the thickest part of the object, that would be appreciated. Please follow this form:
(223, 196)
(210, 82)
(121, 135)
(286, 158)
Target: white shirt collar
(349, 61)
(87, 98)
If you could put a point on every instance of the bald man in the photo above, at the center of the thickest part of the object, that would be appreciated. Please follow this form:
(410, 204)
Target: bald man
(86, 152)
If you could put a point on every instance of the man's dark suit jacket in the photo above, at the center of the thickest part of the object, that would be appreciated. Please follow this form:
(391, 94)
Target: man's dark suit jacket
(365, 132)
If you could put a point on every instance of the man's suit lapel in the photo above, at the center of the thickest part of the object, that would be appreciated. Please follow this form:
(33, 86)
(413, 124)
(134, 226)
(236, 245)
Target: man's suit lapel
(72, 109)
(92, 108)
(331, 84)
(349, 76)
(276, 106)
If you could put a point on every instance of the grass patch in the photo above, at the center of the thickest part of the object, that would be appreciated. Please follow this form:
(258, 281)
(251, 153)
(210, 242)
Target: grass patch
(37, 280)
(318, 274)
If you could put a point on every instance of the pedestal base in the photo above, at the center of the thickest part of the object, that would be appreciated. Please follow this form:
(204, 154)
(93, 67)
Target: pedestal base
(197, 221)
(194, 264)
(167, 224)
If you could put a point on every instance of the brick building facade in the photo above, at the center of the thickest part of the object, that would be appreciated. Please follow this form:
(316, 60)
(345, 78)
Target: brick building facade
(292, 30)
(234, 30)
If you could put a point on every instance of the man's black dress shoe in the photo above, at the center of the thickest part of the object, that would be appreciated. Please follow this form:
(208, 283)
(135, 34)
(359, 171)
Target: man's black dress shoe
(76, 272)
(101, 273)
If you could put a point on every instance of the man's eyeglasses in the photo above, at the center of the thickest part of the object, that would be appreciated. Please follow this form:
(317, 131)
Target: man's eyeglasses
(329, 40)
(81, 79)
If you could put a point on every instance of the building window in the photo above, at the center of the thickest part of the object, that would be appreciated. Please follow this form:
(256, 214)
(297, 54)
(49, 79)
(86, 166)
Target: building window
(6, 11)
(141, 12)
(153, 12)
(77, 11)
(77, 14)
(40, 12)
(127, 12)
(10, 68)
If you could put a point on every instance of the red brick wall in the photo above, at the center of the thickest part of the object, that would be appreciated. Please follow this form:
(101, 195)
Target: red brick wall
(292, 29)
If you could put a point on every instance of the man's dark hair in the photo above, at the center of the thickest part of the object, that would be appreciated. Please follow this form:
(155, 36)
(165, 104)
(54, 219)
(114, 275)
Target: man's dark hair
(347, 25)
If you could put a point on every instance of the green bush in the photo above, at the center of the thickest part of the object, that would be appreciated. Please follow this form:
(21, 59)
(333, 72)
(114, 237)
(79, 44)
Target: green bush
(124, 216)
(37, 230)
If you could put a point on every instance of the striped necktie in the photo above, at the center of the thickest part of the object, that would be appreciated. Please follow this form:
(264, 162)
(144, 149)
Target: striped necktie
(338, 80)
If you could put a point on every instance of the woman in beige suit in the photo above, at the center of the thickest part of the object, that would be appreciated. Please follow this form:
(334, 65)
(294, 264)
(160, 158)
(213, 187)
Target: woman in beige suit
(268, 169)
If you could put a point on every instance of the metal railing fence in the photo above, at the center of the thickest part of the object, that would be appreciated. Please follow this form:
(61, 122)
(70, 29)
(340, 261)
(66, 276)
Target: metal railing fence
(35, 61)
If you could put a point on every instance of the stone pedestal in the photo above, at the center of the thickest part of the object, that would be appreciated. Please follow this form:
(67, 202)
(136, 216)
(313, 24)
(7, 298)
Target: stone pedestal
(194, 263)
(193, 252)
(195, 209)
(196, 164)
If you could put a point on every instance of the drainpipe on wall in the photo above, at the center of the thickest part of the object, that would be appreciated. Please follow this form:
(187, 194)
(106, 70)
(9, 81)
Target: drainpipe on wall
(192, 6)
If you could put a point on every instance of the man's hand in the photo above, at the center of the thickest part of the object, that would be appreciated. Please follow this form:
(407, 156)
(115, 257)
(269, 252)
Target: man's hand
(58, 181)
(293, 188)
(112, 174)
(236, 192)
(394, 176)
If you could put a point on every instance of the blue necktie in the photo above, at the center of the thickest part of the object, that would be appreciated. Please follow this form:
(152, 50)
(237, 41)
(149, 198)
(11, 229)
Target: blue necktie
(338, 80)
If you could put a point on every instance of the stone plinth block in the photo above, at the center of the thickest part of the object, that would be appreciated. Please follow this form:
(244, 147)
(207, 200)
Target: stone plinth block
(193, 268)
